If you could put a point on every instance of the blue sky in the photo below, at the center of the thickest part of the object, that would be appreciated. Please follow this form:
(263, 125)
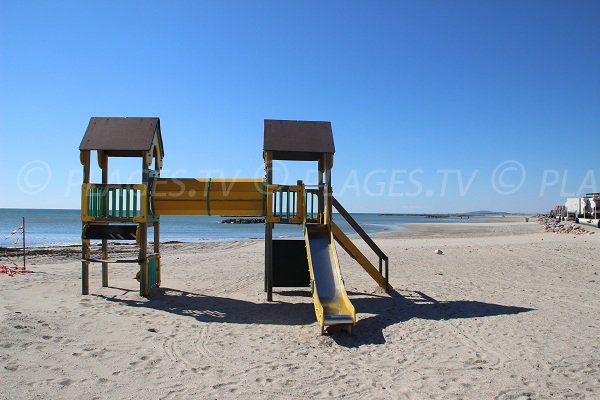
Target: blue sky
(436, 106)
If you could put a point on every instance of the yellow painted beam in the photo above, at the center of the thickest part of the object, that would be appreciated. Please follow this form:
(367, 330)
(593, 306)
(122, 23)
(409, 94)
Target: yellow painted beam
(363, 261)
(221, 213)
(240, 208)
(186, 188)
(226, 197)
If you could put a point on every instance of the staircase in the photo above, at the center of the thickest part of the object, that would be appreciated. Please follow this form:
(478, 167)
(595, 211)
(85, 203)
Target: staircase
(379, 275)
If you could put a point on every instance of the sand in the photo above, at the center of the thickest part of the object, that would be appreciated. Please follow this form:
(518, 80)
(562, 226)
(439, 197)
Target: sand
(506, 312)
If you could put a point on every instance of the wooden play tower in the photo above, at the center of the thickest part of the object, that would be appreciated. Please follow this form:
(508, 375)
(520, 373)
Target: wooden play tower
(112, 211)
(121, 211)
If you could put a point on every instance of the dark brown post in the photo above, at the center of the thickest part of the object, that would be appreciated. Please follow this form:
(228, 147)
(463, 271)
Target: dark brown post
(328, 200)
(157, 250)
(85, 244)
(320, 194)
(268, 232)
(144, 236)
(156, 225)
(387, 277)
(104, 162)
(24, 246)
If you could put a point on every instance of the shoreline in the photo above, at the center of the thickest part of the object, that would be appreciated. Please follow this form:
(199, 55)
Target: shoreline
(384, 229)
(489, 226)
(411, 232)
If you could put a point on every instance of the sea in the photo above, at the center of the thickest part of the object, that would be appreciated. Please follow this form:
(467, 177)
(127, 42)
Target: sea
(45, 227)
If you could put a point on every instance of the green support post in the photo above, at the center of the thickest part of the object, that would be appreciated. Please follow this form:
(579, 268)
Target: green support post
(121, 202)
(281, 203)
(287, 197)
(113, 210)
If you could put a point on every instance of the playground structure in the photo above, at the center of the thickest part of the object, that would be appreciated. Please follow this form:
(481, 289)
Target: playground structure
(124, 211)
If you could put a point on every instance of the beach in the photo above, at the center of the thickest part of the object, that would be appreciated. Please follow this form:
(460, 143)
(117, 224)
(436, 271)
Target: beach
(507, 311)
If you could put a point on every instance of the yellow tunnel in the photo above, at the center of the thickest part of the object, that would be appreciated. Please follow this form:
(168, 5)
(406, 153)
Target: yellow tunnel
(207, 196)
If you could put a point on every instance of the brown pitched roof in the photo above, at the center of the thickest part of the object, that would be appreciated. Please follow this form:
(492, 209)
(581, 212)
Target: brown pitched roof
(298, 140)
(122, 136)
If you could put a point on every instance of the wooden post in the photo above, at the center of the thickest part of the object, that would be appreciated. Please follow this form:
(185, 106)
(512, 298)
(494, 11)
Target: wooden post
(142, 259)
(320, 192)
(24, 247)
(387, 276)
(144, 238)
(157, 250)
(156, 224)
(328, 201)
(85, 244)
(104, 159)
(269, 233)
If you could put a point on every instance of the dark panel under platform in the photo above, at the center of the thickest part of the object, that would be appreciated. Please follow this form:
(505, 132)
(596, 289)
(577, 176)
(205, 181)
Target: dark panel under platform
(290, 266)
(110, 232)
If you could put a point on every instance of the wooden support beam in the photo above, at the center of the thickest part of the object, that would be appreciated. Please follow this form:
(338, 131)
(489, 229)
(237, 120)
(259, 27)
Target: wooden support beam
(328, 196)
(85, 244)
(157, 250)
(320, 195)
(156, 224)
(269, 233)
(144, 237)
(104, 166)
(112, 261)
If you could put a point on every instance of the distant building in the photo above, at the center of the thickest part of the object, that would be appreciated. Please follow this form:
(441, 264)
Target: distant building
(587, 207)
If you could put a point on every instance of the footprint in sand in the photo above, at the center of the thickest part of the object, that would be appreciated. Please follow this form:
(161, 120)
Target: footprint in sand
(11, 367)
(516, 394)
(65, 382)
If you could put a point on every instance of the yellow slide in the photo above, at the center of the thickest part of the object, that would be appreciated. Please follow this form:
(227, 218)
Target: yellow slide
(332, 305)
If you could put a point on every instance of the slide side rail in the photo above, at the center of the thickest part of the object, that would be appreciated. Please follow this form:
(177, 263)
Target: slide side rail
(383, 258)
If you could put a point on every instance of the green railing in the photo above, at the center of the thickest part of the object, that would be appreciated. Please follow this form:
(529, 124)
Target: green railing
(113, 202)
(285, 204)
(311, 203)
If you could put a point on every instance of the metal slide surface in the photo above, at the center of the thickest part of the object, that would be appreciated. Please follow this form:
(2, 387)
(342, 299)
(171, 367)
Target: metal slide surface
(332, 306)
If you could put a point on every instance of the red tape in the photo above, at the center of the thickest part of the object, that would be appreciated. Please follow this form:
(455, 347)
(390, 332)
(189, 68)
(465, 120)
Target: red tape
(12, 271)
(6, 270)
(14, 232)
